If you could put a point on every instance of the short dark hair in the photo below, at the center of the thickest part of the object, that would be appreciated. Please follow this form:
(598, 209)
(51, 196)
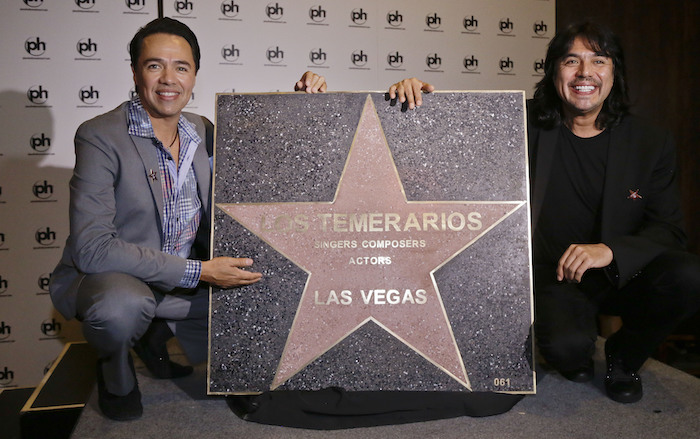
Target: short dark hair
(547, 104)
(164, 25)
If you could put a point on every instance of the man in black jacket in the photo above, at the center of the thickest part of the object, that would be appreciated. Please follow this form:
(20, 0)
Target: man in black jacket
(606, 215)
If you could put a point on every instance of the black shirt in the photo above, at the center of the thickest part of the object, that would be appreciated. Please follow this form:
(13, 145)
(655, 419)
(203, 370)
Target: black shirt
(572, 203)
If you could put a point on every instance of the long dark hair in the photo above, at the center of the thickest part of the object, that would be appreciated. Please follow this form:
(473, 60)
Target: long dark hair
(547, 104)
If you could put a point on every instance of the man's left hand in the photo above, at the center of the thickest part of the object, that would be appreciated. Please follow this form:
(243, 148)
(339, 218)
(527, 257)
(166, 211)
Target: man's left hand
(578, 258)
(310, 82)
(410, 91)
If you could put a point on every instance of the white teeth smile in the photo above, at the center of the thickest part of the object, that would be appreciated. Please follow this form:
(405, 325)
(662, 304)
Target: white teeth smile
(167, 93)
(584, 88)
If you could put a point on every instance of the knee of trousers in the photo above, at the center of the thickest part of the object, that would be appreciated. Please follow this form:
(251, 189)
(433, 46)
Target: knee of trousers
(676, 276)
(566, 349)
(116, 306)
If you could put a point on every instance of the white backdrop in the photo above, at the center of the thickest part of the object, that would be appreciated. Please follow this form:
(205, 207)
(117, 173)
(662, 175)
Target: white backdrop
(65, 61)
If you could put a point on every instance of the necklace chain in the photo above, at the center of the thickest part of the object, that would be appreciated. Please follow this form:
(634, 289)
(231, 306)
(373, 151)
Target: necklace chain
(177, 134)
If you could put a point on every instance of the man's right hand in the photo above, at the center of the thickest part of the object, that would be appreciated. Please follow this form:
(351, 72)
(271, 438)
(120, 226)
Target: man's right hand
(228, 272)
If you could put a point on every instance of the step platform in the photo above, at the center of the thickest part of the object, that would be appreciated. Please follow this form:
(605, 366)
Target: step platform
(54, 406)
(11, 402)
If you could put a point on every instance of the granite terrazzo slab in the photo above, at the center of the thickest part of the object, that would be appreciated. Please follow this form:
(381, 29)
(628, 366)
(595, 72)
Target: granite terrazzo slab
(394, 244)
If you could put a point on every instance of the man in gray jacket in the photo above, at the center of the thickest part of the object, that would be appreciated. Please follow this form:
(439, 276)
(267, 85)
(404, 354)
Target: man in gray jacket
(134, 268)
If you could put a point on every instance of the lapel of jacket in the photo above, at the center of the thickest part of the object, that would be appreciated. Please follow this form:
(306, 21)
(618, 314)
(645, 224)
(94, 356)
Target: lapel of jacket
(545, 149)
(203, 173)
(147, 152)
(617, 168)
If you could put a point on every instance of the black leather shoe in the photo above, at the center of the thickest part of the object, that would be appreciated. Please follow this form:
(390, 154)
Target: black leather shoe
(621, 384)
(118, 408)
(581, 375)
(152, 350)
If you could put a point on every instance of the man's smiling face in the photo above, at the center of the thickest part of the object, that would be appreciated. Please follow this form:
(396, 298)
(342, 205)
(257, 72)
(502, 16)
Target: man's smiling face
(584, 79)
(164, 75)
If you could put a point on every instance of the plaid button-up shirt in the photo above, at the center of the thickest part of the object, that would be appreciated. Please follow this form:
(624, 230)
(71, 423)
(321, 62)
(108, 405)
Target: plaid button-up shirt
(182, 207)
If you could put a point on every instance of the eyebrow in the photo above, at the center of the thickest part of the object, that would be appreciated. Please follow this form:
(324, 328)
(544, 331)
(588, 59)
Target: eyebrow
(162, 61)
(576, 55)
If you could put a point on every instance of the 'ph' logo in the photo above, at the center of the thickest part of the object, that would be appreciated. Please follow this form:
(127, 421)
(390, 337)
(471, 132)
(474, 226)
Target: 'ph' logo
(33, 3)
(274, 12)
(317, 14)
(45, 236)
(358, 16)
(540, 28)
(5, 330)
(43, 281)
(37, 95)
(50, 328)
(506, 65)
(39, 142)
(85, 4)
(86, 47)
(275, 55)
(42, 190)
(394, 18)
(433, 21)
(6, 375)
(506, 26)
(184, 7)
(135, 5)
(229, 8)
(230, 53)
(318, 56)
(359, 58)
(471, 63)
(471, 24)
(394, 59)
(538, 66)
(88, 95)
(433, 61)
(34, 46)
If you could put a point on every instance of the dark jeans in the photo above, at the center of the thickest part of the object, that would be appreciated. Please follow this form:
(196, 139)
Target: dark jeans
(651, 305)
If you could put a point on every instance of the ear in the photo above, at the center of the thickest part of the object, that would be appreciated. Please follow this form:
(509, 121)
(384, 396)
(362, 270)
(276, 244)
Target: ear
(133, 76)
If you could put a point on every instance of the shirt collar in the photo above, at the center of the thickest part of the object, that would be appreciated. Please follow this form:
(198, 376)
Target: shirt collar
(139, 124)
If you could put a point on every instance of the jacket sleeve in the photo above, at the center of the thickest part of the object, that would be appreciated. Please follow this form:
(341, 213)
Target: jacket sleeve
(655, 224)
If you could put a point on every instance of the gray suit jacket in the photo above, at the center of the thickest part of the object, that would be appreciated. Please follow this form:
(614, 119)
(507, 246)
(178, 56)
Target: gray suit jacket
(116, 208)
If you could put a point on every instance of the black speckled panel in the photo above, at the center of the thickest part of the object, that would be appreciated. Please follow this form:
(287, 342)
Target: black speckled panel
(293, 148)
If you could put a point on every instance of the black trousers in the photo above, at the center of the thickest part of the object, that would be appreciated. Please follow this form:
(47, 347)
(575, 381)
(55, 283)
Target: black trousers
(651, 305)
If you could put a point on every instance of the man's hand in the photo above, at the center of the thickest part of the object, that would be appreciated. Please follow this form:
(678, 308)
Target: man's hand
(410, 92)
(226, 272)
(310, 82)
(578, 258)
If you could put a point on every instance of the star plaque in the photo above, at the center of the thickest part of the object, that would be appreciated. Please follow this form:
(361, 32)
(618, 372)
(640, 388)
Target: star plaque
(393, 245)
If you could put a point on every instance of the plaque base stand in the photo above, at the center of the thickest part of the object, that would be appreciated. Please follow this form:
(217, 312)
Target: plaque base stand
(335, 408)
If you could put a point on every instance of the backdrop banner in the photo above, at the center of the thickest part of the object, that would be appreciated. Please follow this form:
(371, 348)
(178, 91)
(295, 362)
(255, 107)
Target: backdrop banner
(65, 62)
(394, 244)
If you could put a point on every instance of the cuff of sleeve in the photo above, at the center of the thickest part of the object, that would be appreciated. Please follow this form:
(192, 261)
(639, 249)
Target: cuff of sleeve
(613, 273)
(192, 273)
